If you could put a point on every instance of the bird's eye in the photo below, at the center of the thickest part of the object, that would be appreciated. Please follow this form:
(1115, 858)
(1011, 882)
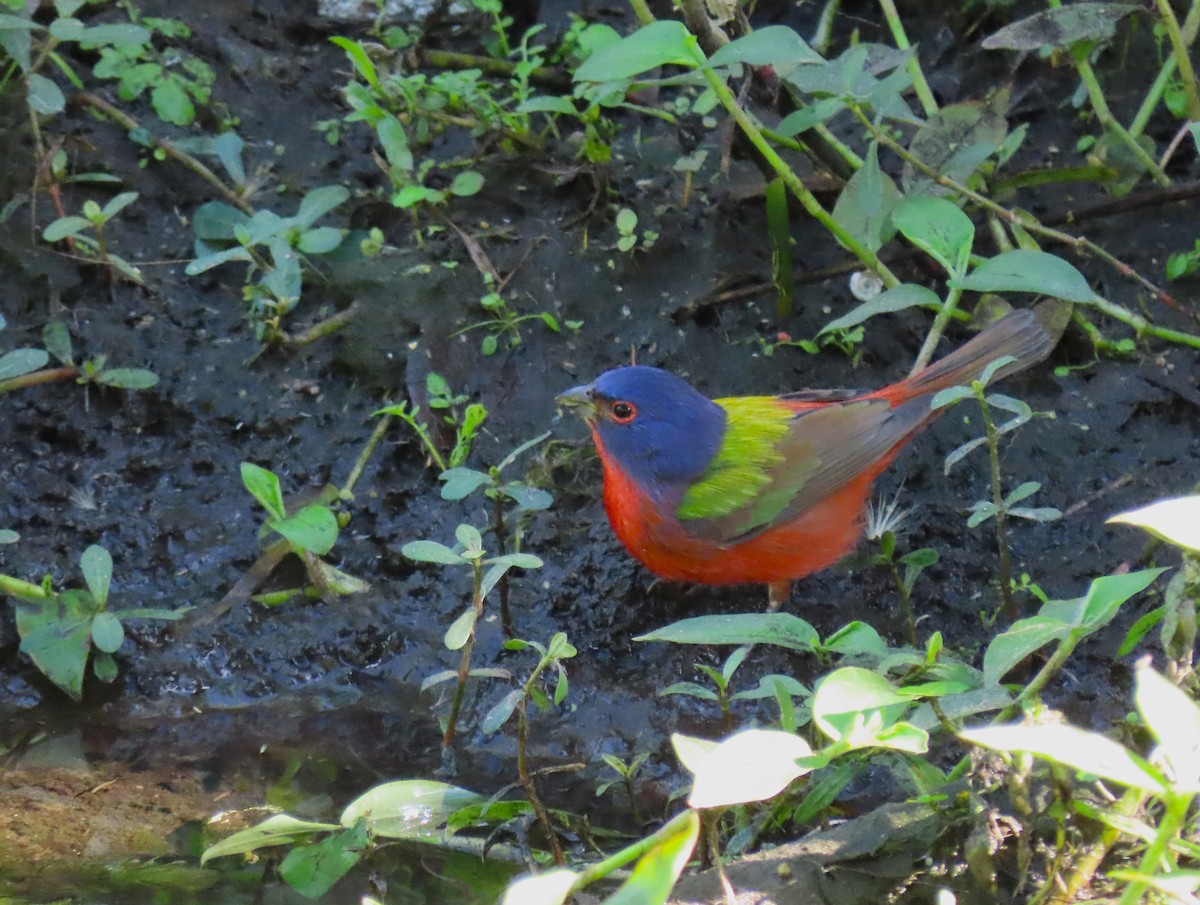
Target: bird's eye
(623, 412)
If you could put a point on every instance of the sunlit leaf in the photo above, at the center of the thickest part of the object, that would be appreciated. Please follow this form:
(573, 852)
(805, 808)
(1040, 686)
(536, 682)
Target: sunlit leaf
(408, 809)
(1172, 715)
(282, 829)
(752, 765)
(1072, 747)
(782, 629)
(656, 872)
(853, 705)
(264, 487)
(547, 888)
(1176, 521)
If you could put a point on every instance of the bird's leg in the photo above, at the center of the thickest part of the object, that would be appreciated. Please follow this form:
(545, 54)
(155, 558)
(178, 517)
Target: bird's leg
(778, 593)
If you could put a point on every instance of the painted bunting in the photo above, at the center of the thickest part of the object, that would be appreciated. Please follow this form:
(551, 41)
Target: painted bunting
(763, 489)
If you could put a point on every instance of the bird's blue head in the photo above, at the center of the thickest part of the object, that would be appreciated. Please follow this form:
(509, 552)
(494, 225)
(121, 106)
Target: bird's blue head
(652, 425)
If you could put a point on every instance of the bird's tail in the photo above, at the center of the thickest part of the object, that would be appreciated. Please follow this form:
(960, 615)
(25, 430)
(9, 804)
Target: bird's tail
(1018, 335)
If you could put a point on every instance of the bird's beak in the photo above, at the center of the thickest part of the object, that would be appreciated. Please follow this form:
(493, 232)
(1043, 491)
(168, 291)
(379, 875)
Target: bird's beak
(579, 398)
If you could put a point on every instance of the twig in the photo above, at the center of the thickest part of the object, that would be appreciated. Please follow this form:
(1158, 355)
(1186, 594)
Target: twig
(128, 123)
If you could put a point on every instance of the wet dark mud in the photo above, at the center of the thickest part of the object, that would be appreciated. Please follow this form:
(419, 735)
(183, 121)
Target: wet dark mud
(214, 710)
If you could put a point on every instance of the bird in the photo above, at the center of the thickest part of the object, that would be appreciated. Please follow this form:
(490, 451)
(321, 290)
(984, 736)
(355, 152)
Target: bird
(764, 489)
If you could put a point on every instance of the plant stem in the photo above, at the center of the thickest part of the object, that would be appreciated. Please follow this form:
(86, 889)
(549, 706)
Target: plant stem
(1179, 51)
(924, 94)
(1100, 105)
(1001, 517)
(523, 774)
(26, 590)
(464, 663)
(128, 123)
(1087, 863)
(945, 313)
(1113, 310)
(347, 490)
(642, 11)
(809, 201)
(46, 375)
(1171, 824)
(672, 827)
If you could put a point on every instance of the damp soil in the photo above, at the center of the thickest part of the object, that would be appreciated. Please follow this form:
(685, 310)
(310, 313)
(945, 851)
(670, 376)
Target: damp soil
(311, 702)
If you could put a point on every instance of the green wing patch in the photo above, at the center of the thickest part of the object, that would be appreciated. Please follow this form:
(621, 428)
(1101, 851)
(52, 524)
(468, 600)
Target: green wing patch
(740, 471)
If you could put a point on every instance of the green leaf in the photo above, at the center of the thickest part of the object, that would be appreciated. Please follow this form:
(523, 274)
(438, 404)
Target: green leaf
(752, 765)
(499, 714)
(661, 43)
(492, 577)
(312, 870)
(56, 634)
(172, 104)
(777, 46)
(460, 629)
(1099, 605)
(114, 35)
(432, 551)
(518, 560)
(320, 240)
(319, 202)
(358, 56)
(264, 487)
(471, 539)
(215, 221)
(57, 340)
(528, 499)
(116, 204)
(107, 633)
(97, 572)
(782, 629)
(655, 874)
(104, 666)
(458, 483)
(282, 829)
(690, 690)
(1072, 747)
(1172, 715)
(1176, 521)
(938, 228)
(865, 206)
(314, 528)
(547, 888)
(22, 361)
(64, 227)
(44, 96)
(8, 537)
(1029, 271)
(854, 639)
(208, 262)
(128, 378)
(898, 298)
(466, 184)
(1025, 636)
(408, 809)
(853, 705)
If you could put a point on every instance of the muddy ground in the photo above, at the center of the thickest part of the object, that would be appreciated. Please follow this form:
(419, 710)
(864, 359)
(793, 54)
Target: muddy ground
(208, 715)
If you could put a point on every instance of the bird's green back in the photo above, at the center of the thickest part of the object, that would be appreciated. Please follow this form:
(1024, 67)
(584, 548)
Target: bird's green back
(739, 475)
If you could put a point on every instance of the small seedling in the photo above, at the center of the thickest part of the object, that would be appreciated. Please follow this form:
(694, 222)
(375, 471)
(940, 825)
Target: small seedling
(273, 247)
(1001, 505)
(626, 774)
(630, 239)
(27, 367)
(60, 630)
(460, 636)
(551, 656)
(466, 425)
(310, 533)
(95, 248)
(459, 483)
(721, 680)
